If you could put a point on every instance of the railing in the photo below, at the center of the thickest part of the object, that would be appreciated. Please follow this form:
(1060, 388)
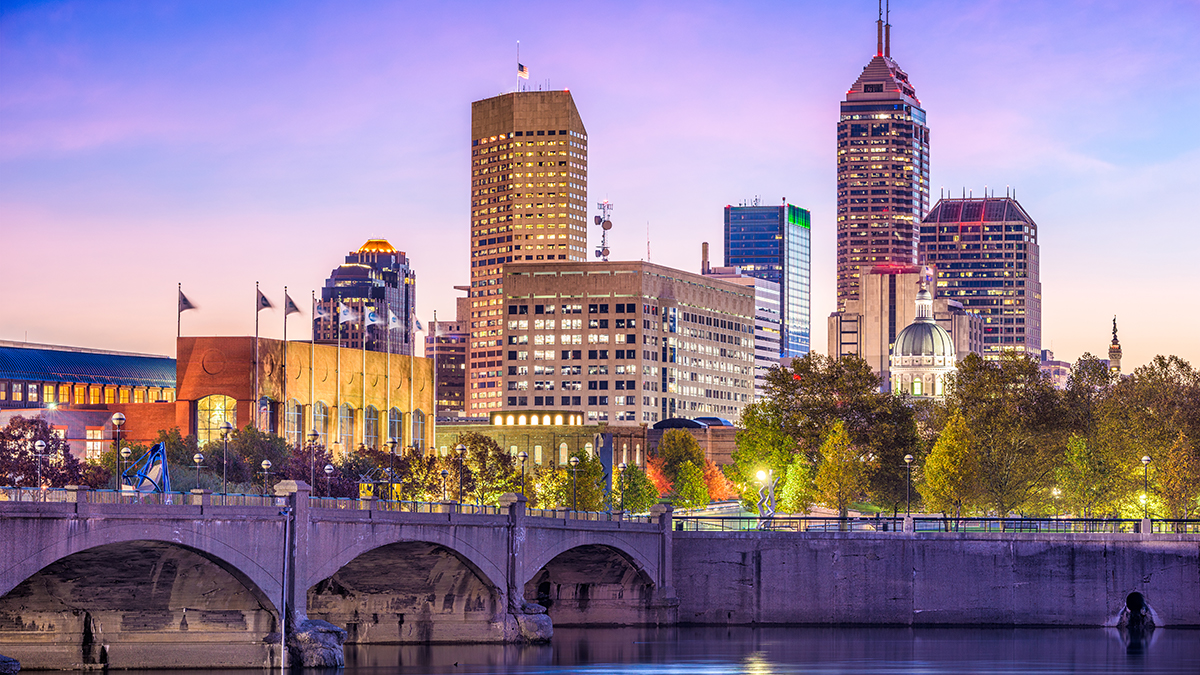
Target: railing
(593, 516)
(16, 494)
(786, 524)
(1026, 525)
(1175, 526)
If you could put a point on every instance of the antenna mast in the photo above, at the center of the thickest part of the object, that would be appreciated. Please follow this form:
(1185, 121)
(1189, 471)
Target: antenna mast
(605, 224)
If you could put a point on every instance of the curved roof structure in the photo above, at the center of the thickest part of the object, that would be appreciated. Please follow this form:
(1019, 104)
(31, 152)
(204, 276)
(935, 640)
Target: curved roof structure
(377, 246)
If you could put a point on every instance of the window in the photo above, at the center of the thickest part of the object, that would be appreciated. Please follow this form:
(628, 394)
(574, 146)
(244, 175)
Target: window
(346, 427)
(395, 425)
(211, 412)
(320, 422)
(371, 427)
(418, 429)
(293, 426)
(95, 442)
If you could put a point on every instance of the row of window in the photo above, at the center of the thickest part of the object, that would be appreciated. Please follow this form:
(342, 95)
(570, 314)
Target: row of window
(35, 394)
(212, 411)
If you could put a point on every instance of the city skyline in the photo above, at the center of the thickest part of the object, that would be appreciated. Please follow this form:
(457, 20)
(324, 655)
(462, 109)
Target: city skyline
(140, 148)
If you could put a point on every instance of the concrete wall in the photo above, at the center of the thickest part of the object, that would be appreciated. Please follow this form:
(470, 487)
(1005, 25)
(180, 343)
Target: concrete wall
(937, 579)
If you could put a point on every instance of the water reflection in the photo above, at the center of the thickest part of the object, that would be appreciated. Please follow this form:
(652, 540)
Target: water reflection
(780, 651)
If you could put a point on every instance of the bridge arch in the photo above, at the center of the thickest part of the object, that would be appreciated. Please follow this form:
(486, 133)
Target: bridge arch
(403, 586)
(593, 579)
(630, 552)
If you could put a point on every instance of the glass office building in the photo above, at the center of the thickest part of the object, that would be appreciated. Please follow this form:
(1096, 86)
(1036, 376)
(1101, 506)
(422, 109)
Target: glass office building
(774, 243)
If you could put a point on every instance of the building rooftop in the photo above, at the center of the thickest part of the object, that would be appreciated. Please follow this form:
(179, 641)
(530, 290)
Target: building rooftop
(977, 210)
(49, 363)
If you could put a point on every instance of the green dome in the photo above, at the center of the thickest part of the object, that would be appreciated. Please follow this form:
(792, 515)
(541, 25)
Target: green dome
(924, 338)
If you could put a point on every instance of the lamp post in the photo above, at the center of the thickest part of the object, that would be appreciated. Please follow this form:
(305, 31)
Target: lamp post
(198, 458)
(313, 437)
(1145, 486)
(621, 484)
(574, 462)
(908, 460)
(125, 453)
(266, 471)
(226, 427)
(392, 443)
(460, 450)
(522, 456)
(444, 474)
(328, 474)
(117, 421)
(39, 447)
(1056, 493)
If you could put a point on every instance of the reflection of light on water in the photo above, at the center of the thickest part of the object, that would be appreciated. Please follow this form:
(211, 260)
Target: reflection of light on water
(756, 663)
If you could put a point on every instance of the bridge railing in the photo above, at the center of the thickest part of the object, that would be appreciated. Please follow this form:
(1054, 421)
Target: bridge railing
(20, 494)
(786, 524)
(1175, 526)
(1027, 525)
(593, 516)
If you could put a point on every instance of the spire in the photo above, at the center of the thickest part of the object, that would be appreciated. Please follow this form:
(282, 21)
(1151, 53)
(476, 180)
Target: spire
(887, 30)
(1115, 340)
(879, 31)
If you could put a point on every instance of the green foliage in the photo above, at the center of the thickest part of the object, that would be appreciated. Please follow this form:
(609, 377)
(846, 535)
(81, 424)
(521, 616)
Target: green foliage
(1092, 482)
(492, 471)
(797, 491)
(19, 463)
(762, 444)
(951, 472)
(678, 447)
(1014, 413)
(1177, 476)
(842, 476)
(552, 485)
(690, 490)
(633, 491)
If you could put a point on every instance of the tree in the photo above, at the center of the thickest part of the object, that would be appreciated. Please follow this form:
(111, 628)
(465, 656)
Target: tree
(842, 476)
(762, 444)
(1087, 386)
(951, 471)
(1014, 414)
(690, 491)
(797, 493)
(493, 472)
(552, 485)
(676, 448)
(1177, 476)
(19, 463)
(1092, 481)
(633, 491)
(717, 483)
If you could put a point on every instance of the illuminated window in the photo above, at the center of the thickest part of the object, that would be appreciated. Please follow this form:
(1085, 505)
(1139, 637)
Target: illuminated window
(371, 427)
(211, 412)
(346, 427)
(320, 422)
(293, 427)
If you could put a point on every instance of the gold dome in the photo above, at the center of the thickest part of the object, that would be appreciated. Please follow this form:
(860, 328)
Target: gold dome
(376, 246)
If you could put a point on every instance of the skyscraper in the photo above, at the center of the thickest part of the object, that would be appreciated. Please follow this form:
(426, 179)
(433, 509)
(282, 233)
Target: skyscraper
(883, 170)
(528, 202)
(375, 278)
(774, 243)
(986, 253)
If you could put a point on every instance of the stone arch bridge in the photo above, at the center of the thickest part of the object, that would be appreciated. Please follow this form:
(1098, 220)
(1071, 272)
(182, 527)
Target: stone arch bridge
(86, 584)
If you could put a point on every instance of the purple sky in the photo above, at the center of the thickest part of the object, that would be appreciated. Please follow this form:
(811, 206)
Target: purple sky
(222, 143)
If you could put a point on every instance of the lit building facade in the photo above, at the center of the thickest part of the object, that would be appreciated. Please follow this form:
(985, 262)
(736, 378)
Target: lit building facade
(625, 342)
(986, 254)
(767, 324)
(446, 344)
(923, 357)
(375, 278)
(775, 243)
(882, 171)
(528, 203)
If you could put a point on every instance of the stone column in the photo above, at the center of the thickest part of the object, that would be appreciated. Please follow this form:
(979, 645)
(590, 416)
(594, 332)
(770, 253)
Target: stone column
(297, 493)
(200, 498)
(665, 598)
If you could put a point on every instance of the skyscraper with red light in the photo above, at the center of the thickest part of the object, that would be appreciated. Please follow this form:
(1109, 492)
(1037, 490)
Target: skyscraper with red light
(883, 170)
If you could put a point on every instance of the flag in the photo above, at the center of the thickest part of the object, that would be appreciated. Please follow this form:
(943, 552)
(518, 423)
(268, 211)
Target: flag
(522, 71)
(289, 307)
(393, 320)
(345, 314)
(417, 322)
(373, 319)
(184, 303)
(263, 302)
(321, 312)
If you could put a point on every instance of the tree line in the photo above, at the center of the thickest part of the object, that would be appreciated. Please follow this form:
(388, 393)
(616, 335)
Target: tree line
(1003, 441)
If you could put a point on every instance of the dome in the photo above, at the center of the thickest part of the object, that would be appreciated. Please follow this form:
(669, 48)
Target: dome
(924, 338)
(376, 246)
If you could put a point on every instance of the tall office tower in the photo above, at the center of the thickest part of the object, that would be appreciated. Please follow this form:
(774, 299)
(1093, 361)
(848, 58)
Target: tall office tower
(446, 343)
(767, 323)
(883, 170)
(774, 243)
(528, 203)
(986, 253)
(375, 278)
(626, 341)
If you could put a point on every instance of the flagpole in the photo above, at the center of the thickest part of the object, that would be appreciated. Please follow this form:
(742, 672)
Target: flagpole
(363, 375)
(387, 377)
(256, 310)
(312, 349)
(412, 355)
(338, 399)
(283, 370)
(433, 368)
(179, 315)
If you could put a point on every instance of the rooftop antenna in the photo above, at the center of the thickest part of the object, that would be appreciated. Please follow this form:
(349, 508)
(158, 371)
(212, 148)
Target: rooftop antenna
(879, 31)
(887, 30)
(605, 224)
(647, 241)
(522, 71)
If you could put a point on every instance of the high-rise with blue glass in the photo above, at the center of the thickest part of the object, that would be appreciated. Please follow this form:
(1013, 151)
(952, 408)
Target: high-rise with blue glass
(774, 243)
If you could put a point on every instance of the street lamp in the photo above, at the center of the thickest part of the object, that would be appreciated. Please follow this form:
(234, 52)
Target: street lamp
(444, 474)
(313, 437)
(117, 421)
(1146, 486)
(328, 474)
(1056, 493)
(225, 427)
(908, 460)
(39, 447)
(198, 459)
(574, 462)
(392, 443)
(125, 453)
(460, 450)
(621, 484)
(522, 456)
(266, 471)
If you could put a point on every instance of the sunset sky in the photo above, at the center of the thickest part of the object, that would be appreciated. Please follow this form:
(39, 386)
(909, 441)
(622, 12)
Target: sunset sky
(144, 144)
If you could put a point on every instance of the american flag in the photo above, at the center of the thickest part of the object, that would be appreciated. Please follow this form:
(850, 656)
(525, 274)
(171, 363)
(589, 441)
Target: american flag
(522, 71)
